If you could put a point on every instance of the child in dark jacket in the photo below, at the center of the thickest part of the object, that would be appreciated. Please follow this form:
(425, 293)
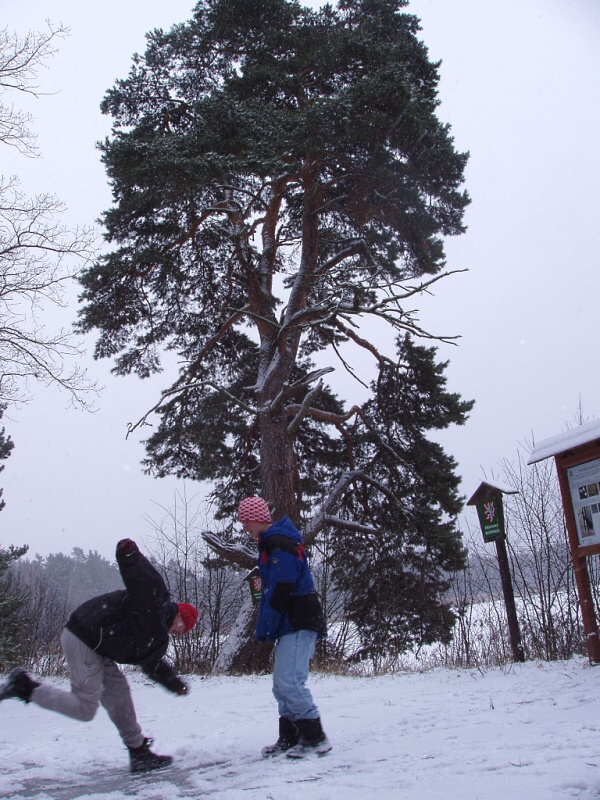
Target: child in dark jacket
(290, 615)
(129, 626)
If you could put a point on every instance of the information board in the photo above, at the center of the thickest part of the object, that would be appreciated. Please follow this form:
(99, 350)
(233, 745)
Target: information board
(584, 485)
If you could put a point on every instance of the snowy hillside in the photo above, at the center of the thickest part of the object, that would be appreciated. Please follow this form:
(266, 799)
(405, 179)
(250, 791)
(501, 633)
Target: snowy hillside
(527, 732)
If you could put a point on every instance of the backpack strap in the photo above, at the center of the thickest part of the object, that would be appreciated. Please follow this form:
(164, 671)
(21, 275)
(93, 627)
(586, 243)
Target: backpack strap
(280, 542)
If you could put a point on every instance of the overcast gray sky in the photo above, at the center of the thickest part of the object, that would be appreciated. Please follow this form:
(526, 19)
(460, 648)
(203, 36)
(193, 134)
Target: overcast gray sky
(520, 86)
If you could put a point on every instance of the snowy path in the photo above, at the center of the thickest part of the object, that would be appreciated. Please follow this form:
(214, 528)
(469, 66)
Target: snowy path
(531, 732)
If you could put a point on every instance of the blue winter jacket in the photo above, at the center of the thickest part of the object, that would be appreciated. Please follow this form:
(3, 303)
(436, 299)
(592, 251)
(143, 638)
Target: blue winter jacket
(288, 601)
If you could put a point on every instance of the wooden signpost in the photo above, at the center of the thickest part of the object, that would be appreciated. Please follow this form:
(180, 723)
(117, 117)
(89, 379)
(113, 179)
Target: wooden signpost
(488, 501)
(577, 457)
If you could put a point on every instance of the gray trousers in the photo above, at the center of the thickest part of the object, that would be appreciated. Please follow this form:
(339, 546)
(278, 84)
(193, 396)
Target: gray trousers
(94, 680)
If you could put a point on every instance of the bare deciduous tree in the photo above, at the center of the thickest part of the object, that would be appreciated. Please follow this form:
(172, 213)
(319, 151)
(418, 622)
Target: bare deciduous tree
(542, 574)
(38, 254)
(193, 574)
(46, 611)
(541, 561)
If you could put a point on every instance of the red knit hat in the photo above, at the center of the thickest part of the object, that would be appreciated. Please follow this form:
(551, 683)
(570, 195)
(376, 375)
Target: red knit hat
(254, 509)
(188, 614)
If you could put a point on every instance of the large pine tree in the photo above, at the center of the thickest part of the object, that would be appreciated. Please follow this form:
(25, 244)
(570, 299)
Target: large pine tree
(282, 186)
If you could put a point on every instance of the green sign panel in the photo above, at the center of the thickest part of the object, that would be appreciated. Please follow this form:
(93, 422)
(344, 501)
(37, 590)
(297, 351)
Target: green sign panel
(491, 518)
(255, 584)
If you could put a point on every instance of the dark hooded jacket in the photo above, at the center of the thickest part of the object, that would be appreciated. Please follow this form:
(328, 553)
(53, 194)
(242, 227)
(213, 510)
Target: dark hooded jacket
(131, 626)
(288, 601)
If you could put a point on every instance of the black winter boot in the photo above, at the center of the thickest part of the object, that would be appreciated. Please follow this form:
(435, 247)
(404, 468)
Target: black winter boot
(143, 759)
(19, 685)
(289, 735)
(312, 739)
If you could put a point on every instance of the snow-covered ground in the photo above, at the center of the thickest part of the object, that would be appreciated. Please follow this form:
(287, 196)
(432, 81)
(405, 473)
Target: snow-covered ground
(525, 732)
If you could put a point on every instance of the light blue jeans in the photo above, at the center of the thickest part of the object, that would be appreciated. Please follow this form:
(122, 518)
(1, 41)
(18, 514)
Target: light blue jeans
(293, 653)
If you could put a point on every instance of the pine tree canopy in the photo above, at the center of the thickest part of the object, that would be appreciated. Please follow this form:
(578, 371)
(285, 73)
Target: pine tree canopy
(282, 187)
(13, 619)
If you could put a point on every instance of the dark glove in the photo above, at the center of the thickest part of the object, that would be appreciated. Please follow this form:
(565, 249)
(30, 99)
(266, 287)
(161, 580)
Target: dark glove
(176, 685)
(162, 672)
(126, 547)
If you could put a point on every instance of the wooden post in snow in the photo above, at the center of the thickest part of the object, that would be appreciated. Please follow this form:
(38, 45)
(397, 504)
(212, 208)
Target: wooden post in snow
(488, 501)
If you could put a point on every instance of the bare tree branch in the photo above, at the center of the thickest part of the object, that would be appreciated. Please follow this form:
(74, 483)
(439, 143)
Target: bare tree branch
(38, 255)
(237, 553)
(304, 408)
(179, 390)
(20, 61)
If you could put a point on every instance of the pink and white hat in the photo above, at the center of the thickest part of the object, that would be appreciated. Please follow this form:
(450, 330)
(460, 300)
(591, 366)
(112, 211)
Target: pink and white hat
(254, 509)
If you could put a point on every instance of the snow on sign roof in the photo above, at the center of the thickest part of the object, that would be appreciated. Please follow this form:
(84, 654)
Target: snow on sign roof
(582, 434)
(503, 487)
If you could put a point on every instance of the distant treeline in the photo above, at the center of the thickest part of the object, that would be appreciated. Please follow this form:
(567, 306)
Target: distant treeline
(73, 578)
(36, 598)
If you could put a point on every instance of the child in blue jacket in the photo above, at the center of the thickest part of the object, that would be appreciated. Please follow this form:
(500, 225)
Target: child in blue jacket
(290, 615)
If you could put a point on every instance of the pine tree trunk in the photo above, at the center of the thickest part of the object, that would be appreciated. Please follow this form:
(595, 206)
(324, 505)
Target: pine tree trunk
(278, 473)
